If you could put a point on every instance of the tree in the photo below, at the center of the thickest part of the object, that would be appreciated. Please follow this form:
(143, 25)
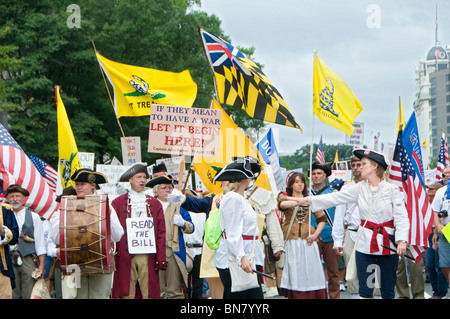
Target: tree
(301, 157)
(159, 34)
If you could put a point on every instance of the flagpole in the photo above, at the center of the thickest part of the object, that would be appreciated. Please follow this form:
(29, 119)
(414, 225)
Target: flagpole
(109, 93)
(310, 161)
(310, 171)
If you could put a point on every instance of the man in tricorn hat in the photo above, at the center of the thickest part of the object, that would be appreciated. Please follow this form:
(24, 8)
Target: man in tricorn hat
(318, 175)
(173, 280)
(30, 251)
(136, 275)
(92, 286)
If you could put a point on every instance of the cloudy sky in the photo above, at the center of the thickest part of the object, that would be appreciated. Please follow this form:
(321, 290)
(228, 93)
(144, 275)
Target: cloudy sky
(373, 46)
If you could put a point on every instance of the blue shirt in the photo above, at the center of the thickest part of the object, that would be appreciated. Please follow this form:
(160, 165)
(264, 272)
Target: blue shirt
(326, 232)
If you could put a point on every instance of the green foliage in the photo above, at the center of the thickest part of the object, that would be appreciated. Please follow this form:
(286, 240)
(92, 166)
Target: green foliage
(301, 157)
(39, 50)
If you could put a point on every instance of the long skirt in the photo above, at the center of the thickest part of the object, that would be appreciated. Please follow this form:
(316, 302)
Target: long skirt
(303, 274)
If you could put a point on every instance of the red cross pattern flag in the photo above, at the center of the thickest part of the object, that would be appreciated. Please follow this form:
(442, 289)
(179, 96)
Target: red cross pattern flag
(19, 169)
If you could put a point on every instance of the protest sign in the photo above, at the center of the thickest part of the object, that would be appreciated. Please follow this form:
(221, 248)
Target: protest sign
(184, 130)
(131, 149)
(141, 235)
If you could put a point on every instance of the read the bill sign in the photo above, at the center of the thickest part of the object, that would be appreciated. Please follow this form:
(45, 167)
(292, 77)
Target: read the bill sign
(141, 235)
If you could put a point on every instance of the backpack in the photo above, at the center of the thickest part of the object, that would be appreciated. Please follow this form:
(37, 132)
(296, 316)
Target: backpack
(213, 232)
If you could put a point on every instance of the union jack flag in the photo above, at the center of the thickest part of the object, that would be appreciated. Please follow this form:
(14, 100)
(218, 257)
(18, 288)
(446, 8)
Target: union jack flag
(17, 168)
(242, 84)
(443, 158)
(416, 200)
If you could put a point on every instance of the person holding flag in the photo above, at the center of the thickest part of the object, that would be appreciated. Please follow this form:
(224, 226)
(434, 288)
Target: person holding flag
(440, 207)
(383, 214)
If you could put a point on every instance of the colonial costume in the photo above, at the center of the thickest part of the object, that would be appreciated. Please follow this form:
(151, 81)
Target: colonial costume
(303, 276)
(383, 213)
(7, 279)
(30, 250)
(92, 285)
(136, 275)
(239, 224)
(173, 279)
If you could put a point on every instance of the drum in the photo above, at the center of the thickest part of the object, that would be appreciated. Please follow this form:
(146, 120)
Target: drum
(85, 234)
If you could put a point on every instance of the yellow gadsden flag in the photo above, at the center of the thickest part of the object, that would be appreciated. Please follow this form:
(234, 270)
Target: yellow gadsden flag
(137, 88)
(333, 103)
(233, 143)
(69, 160)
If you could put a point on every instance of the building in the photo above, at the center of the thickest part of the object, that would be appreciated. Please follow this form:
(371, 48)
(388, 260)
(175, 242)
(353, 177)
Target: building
(432, 101)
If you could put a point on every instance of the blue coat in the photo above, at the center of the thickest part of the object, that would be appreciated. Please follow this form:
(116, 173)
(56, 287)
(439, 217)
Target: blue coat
(9, 220)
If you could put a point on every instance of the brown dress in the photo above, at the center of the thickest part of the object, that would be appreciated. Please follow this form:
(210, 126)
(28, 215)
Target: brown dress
(299, 229)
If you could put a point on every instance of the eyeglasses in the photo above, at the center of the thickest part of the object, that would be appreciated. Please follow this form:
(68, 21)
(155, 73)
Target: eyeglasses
(353, 165)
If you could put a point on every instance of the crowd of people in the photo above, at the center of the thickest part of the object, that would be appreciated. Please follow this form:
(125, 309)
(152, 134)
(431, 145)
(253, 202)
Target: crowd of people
(306, 243)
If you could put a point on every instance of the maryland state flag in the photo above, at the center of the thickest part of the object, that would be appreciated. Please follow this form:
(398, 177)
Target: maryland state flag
(137, 88)
(69, 160)
(242, 84)
(233, 143)
(333, 102)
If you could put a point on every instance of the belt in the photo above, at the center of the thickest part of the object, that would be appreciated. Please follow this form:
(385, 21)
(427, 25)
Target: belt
(375, 227)
(244, 237)
(194, 245)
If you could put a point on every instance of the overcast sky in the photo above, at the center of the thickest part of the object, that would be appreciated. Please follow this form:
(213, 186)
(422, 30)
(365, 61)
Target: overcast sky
(377, 62)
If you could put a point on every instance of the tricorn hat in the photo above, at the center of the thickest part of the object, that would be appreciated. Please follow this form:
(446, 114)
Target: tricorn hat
(238, 169)
(323, 167)
(163, 179)
(159, 168)
(377, 157)
(255, 165)
(87, 175)
(133, 170)
(16, 188)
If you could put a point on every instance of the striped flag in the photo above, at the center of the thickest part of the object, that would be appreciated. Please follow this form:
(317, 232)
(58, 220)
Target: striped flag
(16, 164)
(48, 172)
(242, 84)
(320, 156)
(443, 158)
(417, 204)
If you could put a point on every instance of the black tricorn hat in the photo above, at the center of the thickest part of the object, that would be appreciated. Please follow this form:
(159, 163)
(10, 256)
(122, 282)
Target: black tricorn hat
(236, 170)
(159, 168)
(163, 179)
(377, 157)
(16, 188)
(323, 167)
(133, 170)
(87, 175)
(255, 165)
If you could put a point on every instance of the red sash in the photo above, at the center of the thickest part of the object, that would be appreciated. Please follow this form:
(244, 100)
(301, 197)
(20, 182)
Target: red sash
(375, 227)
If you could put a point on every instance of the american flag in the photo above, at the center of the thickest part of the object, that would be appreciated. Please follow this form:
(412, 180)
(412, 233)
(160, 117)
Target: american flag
(320, 156)
(17, 164)
(48, 172)
(416, 200)
(443, 158)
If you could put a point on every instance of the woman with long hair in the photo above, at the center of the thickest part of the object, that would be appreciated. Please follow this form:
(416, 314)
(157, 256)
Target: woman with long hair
(303, 276)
